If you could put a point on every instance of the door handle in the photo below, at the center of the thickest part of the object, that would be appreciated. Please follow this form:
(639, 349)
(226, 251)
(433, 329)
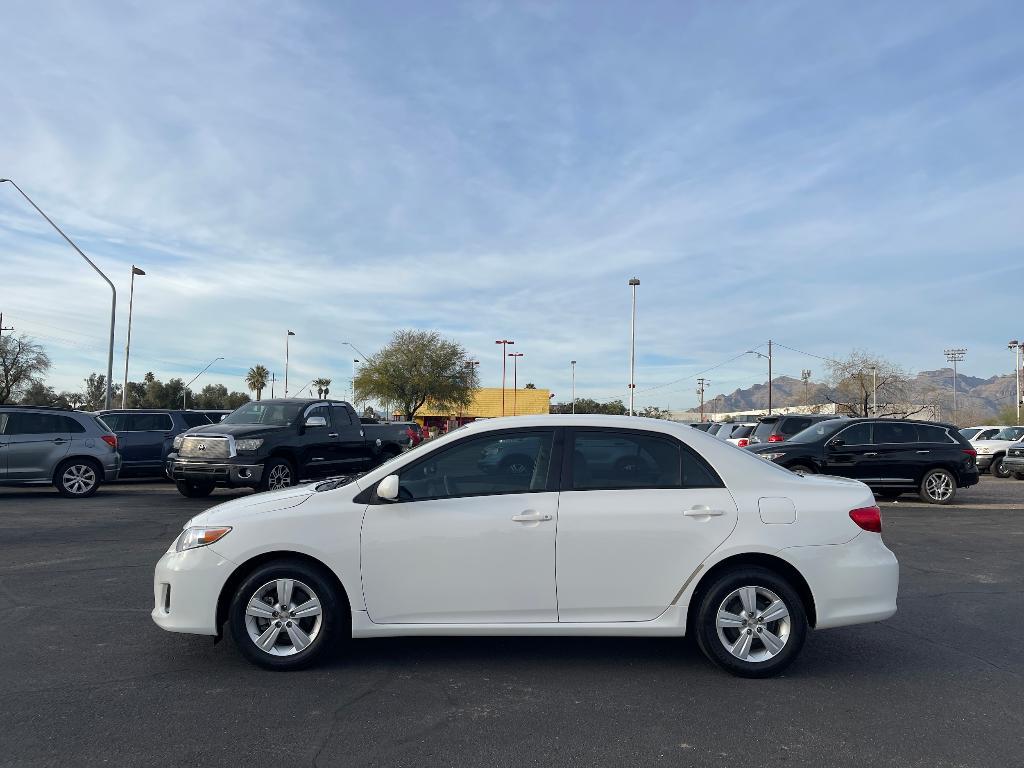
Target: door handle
(702, 511)
(530, 517)
(60, 441)
(332, 434)
(870, 454)
(924, 451)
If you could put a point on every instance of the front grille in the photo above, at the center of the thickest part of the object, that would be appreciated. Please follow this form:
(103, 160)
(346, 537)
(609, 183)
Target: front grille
(205, 448)
(1016, 451)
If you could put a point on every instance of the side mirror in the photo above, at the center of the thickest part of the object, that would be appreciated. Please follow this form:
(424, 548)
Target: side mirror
(316, 421)
(387, 489)
(837, 442)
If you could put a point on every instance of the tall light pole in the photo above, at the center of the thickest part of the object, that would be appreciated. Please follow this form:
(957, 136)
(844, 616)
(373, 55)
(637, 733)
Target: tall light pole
(504, 346)
(184, 392)
(572, 364)
(355, 362)
(767, 357)
(702, 386)
(1016, 346)
(355, 349)
(470, 368)
(805, 377)
(113, 291)
(128, 343)
(515, 379)
(633, 283)
(955, 356)
(874, 390)
(287, 338)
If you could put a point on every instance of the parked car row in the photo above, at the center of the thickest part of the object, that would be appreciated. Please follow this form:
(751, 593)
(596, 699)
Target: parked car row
(264, 445)
(993, 445)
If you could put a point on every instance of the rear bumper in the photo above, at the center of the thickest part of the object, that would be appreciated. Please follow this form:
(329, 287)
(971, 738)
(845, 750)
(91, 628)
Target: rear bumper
(968, 479)
(186, 587)
(217, 472)
(852, 583)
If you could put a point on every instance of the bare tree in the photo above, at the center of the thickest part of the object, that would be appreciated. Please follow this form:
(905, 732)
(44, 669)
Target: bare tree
(861, 379)
(22, 364)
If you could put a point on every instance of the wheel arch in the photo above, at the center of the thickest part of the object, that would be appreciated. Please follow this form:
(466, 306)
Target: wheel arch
(284, 453)
(237, 576)
(771, 562)
(96, 463)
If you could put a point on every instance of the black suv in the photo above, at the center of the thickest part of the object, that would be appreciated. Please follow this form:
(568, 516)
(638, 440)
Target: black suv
(891, 456)
(778, 429)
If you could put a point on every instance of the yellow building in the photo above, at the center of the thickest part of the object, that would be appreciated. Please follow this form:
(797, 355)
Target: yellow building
(487, 405)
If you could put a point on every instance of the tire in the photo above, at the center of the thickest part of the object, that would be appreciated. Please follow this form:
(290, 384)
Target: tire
(997, 469)
(193, 489)
(803, 469)
(938, 486)
(730, 593)
(888, 495)
(77, 478)
(277, 473)
(297, 642)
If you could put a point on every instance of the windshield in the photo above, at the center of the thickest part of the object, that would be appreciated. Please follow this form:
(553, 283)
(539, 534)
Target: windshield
(271, 414)
(818, 431)
(1010, 433)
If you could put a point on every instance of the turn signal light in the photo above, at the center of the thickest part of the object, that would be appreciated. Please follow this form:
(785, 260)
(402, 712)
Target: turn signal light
(868, 518)
(110, 440)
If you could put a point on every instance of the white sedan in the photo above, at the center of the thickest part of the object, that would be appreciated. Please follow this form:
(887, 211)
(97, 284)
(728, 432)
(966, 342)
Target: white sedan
(546, 525)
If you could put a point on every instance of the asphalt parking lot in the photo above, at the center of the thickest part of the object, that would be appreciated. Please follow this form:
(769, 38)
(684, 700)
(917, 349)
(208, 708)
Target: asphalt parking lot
(88, 679)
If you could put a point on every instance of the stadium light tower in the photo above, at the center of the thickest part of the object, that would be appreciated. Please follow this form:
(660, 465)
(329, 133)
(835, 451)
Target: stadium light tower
(955, 356)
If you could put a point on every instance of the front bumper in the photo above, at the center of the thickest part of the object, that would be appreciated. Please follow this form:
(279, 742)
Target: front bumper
(1013, 463)
(218, 472)
(852, 583)
(186, 587)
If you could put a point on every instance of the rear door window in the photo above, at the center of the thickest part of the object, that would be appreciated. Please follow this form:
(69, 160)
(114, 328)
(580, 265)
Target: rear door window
(115, 421)
(609, 460)
(70, 425)
(148, 422)
(894, 432)
(342, 418)
(928, 433)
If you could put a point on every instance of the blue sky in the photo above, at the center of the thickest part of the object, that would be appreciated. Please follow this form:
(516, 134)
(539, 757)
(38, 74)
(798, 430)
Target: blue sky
(829, 175)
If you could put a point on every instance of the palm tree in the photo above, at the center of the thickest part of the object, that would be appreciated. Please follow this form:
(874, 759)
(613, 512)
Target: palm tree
(322, 387)
(256, 379)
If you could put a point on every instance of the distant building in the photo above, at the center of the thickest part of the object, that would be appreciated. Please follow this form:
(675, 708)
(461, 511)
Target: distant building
(487, 405)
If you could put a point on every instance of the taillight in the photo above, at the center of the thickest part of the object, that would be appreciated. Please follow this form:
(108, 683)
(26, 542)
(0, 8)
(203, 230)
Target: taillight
(971, 452)
(868, 518)
(110, 440)
(775, 438)
(743, 442)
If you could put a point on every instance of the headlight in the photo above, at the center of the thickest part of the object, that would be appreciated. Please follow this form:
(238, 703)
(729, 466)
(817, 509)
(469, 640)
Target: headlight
(200, 536)
(248, 445)
(177, 442)
(771, 456)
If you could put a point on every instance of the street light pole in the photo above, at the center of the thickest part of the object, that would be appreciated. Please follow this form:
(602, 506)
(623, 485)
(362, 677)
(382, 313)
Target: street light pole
(355, 361)
(287, 338)
(515, 379)
(184, 392)
(113, 291)
(633, 283)
(1016, 347)
(955, 356)
(572, 363)
(504, 346)
(768, 357)
(874, 390)
(128, 343)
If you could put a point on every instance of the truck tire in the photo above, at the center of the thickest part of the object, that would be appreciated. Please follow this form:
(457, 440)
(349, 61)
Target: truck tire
(997, 469)
(193, 489)
(277, 473)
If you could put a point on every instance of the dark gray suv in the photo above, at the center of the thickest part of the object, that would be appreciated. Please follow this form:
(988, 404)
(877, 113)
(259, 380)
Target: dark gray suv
(73, 450)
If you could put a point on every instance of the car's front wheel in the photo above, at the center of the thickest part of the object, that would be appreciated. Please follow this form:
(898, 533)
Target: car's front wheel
(277, 473)
(193, 489)
(803, 469)
(938, 486)
(998, 469)
(751, 622)
(77, 478)
(286, 615)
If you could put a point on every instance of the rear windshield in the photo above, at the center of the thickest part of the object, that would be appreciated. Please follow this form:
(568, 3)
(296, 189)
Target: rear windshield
(764, 429)
(742, 432)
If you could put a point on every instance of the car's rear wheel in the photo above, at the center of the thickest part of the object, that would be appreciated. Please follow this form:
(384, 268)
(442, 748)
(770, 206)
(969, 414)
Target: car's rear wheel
(998, 469)
(286, 615)
(751, 622)
(938, 486)
(77, 478)
(803, 469)
(277, 473)
(193, 489)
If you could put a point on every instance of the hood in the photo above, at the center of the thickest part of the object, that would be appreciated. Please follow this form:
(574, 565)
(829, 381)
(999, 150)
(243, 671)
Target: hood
(247, 506)
(236, 430)
(985, 447)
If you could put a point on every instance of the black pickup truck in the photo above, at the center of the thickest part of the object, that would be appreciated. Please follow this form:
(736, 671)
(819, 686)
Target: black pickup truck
(271, 444)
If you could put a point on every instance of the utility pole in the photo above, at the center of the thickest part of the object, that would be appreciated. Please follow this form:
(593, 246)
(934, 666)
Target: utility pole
(702, 385)
(286, 340)
(515, 380)
(955, 356)
(504, 348)
(805, 376)
(2, 329)
(273, 380)
(874, 390)
(633, 283)
(572, 363)
(769, 358)
(1014, 345)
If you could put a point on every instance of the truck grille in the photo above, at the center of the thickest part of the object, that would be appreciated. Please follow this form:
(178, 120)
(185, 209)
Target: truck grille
(205, 447)
(1016, 451)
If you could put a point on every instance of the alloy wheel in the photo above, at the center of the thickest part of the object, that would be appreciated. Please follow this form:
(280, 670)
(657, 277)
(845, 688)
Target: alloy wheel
(753, 624)
(280, 477)
(283, 617)
(939, 486)
(79, 478)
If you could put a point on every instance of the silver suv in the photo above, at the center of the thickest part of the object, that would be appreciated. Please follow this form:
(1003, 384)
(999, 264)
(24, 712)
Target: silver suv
(73, 450)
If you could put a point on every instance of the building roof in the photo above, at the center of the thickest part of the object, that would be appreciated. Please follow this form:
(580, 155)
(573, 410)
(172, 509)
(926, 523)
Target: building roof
(487, 404)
